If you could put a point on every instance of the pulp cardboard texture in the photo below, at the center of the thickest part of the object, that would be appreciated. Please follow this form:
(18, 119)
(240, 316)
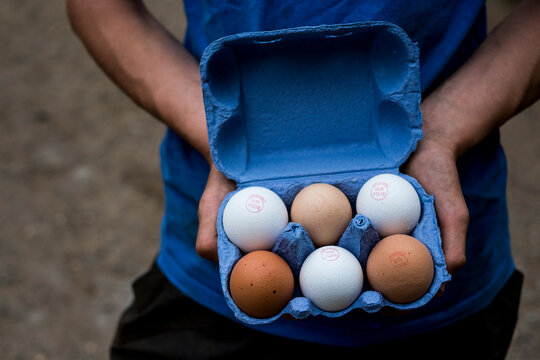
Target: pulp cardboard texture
(331, 103)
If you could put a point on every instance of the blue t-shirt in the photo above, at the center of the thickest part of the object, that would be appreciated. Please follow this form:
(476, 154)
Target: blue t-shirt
(447, 32)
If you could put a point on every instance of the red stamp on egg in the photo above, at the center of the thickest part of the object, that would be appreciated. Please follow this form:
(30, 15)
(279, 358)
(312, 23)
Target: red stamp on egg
(330, 254)
(379, 191)
(255, 203)
(399, 259)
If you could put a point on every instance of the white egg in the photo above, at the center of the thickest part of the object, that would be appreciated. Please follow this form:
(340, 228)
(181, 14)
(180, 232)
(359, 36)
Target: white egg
(254, 218)
(391, 204)
(331, 278)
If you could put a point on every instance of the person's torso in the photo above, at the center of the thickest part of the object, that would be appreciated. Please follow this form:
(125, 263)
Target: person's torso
(447, 32)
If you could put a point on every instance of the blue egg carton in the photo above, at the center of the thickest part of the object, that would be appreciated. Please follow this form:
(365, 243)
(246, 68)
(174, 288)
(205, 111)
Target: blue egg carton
(333, 103)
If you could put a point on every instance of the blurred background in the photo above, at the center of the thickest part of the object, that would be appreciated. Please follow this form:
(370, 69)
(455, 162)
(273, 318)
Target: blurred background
(81, 195)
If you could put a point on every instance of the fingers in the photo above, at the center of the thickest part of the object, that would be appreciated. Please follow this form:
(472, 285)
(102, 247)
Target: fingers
(435, 168)
(440, 292)
(452, 212)
(453, 217)
(206, 243)
(217, 187)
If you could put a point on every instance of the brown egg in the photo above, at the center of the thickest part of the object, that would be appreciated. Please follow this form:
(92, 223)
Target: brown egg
(324, 212)
(400, 267)
(261, 284)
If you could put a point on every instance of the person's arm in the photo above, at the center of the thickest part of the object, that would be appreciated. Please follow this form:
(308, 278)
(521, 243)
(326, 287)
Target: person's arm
(145, 61)
(153, 68)
(498, 81)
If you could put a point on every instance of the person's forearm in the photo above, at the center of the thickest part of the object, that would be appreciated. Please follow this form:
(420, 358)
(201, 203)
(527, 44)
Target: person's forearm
(146, 62)
(500, 79)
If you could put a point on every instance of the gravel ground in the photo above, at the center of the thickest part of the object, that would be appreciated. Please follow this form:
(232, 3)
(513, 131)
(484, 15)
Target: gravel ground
(82, 197)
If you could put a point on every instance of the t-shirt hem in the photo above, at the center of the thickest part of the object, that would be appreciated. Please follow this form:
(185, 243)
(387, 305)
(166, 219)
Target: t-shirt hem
(321, 333)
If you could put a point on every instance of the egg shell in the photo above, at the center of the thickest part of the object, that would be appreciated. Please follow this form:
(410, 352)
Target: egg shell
(401, 268)
(254, 218)
(331, 277)
(391, 203)
(261, 284)
(324, 211)
(294, 246)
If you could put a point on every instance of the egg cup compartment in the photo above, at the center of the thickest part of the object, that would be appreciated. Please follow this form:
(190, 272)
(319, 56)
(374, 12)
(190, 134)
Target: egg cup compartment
(331, 103)
(294, 245)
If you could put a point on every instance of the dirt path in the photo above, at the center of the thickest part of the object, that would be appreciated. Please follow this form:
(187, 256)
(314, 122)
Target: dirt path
(80, 170)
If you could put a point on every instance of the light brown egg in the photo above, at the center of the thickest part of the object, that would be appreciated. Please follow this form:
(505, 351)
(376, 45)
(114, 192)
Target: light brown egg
(324, 212)
(261, 284)
(400, 267)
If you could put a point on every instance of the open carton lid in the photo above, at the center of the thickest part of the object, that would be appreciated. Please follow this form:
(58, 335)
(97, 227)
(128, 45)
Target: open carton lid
(309, 101)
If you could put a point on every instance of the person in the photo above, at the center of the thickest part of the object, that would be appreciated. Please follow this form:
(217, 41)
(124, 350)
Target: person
(471, 85)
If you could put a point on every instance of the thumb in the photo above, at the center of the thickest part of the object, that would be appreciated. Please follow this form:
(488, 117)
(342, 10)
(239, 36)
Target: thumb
(217, 187)
(453, 217)
(435, 168)
(206, 243)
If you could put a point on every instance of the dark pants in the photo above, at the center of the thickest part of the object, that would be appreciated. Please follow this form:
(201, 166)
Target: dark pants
(163, 323)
